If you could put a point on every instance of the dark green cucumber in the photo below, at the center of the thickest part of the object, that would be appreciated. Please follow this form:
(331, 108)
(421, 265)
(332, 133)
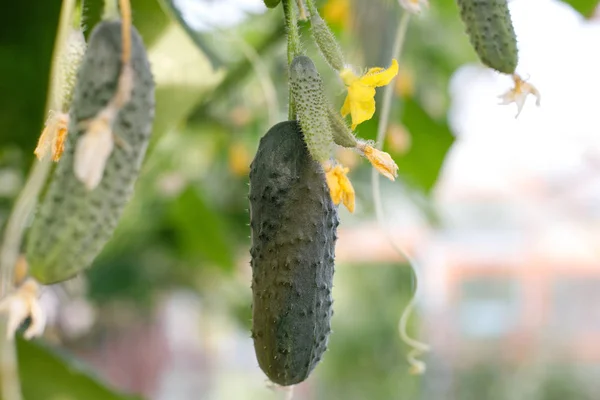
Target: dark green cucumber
(491, 33)
(293, 223)
(73, 224)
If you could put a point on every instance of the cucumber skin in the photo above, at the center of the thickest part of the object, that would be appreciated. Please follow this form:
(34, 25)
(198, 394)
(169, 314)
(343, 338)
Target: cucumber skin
(293, 224)
(308, 92)
(73, 224)
(491, 32)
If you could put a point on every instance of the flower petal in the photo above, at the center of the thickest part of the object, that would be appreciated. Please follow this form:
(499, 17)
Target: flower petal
(348, 76)
(518, 94)
(376, 77)
(362, 103)
(381, 161)
(348, 194)
(340, 188)
(346, 107)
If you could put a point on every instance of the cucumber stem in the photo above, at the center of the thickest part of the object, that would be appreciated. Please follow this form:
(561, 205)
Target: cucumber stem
(22, 209)
(301, 10)
(293, 44)
(125, 7)
(312, 9)
(111, 10)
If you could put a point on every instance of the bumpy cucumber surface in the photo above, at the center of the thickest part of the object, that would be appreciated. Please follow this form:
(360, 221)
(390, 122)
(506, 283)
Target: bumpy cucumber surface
(311, 108)
(73, 224)
(491, 33)
(293, 223)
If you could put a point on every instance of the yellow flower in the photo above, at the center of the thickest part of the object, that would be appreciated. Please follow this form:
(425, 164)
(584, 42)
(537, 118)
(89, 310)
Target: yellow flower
(380, 160)
(360, 102)
(337, 12)
(519, 93)
(239, 159)
(340, 188)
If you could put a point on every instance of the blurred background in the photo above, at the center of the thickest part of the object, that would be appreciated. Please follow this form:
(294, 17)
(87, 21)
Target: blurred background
(501, 214)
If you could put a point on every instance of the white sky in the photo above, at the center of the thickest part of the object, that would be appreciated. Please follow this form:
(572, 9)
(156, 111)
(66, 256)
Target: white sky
(560, 53)
(203, 15)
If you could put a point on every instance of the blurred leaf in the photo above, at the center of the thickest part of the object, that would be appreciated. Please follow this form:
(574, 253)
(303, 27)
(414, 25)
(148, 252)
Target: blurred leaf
(200, 231)
(366, 357)
(199, 39)
(183, 77)
(584, 7)
(45, 375)
(148, 17)
(27, 33)
(430, 141)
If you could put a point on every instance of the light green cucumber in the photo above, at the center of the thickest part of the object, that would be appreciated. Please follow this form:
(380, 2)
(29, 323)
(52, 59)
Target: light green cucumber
(308, 93)
(491, 33)
(72, 223)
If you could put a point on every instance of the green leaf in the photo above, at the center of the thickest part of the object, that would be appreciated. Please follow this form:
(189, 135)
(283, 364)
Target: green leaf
(430, 141)
(200, 231)
(201, 40)
(584, 7)
(147, 15)
(47, 375)
(27, 33)
(184, 77)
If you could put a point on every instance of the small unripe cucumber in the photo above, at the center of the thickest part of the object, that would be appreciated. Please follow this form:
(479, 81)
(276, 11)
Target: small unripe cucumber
(311, 108)
(69, 65)
(491, 33)
(326, 42)
(272, 3)
(293, 223)
(73, 224)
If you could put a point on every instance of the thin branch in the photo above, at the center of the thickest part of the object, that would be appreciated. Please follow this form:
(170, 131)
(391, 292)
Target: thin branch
(23, 207)
(262, 74)
(126, 30)
(293, 44)
(418, 347)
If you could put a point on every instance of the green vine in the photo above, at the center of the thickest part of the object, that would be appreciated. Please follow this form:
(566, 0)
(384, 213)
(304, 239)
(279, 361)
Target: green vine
(293, 44)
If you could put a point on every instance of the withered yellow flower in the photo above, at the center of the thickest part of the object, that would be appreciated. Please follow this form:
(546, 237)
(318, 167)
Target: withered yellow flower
(414, 6)
(381, 160)
(518, 94)
(340, 187)
(23, 304)
(360, 102)
(52, 139)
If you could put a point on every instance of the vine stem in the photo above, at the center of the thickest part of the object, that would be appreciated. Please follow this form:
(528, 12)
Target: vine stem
(312, 9)
(417, 347)
(293, 43)
(125, 7)
(262, 74)
(22, 209)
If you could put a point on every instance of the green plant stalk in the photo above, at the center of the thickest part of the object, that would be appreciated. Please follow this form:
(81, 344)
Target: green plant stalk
(237, 73)
(312, 9)
(293, 44)
(260, 70)
(384, 117)
(24, 205)
(111, 10)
